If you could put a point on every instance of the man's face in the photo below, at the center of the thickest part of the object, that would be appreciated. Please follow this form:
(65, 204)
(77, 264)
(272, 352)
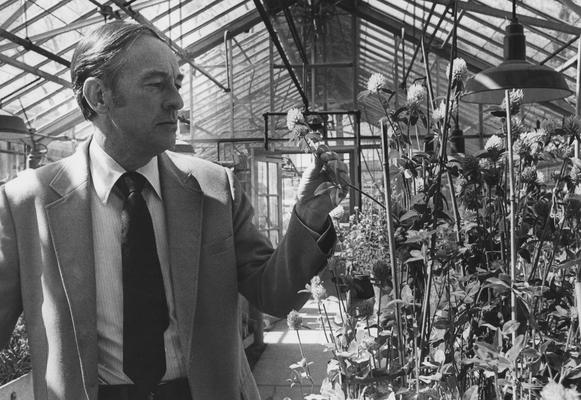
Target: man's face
(146, 97)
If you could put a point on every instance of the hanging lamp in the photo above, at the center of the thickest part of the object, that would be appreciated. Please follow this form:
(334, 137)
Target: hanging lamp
(12, 127)
(538, 82)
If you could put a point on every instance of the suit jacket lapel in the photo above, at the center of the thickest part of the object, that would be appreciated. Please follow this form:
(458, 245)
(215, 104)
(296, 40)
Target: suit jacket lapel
(69, 219)
(183, 204)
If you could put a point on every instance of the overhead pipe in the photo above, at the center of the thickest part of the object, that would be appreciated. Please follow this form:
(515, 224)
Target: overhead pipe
(28, 45)
(278, 45)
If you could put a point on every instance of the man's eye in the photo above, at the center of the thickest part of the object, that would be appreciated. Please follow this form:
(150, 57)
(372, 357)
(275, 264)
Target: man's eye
(155, 84)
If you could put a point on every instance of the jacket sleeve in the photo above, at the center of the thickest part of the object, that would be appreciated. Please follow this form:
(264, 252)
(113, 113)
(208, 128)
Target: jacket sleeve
(270, 279)
(10, 295)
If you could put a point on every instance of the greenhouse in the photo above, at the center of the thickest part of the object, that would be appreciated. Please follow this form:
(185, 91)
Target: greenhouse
(290, 199)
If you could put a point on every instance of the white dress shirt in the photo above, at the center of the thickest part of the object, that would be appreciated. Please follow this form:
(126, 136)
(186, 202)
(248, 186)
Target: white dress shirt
(106, 208)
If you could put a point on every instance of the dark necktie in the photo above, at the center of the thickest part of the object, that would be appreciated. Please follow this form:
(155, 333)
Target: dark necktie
(145, 314)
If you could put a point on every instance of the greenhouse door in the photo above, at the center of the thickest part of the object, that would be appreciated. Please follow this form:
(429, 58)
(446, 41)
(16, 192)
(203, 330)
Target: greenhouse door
(266, 194)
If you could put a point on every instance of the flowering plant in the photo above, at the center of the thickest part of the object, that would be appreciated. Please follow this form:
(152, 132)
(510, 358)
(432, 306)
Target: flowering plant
(471, 308)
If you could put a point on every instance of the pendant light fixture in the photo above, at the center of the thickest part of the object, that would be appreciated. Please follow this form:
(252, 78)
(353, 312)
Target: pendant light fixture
(12, 127)
(538, 82)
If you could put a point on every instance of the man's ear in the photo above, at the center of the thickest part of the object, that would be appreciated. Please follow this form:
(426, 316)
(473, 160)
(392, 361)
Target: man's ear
(96, 95)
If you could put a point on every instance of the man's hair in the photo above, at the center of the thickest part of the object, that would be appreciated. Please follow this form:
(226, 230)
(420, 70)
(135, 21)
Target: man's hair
(100, 54)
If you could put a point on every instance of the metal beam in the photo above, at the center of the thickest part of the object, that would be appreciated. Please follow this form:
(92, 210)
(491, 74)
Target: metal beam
(241, 24)
(494, 12)
(393, 25)
(28, 45)
(35, 71)
(281, 52)
(81, 22)
(16, 14)
(295, 34)
(572, 6)
(181, 53)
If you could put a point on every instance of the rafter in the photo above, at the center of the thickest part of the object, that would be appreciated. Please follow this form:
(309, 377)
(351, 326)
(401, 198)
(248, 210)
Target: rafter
(16, 14)
(525, 19)
(28, 45)
(34, 71)
(393, 25)
(181, 53)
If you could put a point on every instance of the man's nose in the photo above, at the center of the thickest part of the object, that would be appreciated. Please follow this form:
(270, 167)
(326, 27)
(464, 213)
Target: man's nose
(174, 99)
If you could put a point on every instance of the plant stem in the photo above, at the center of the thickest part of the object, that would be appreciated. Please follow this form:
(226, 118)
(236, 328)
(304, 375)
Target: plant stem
(330, 329)
(391, 241)
(365, 194)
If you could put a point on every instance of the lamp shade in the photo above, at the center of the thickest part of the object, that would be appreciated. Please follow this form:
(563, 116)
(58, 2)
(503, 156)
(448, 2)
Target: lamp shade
(12, 127)
(538, 82)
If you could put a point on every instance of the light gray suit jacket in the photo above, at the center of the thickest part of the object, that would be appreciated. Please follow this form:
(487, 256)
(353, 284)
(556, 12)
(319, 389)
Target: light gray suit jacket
(47, 270)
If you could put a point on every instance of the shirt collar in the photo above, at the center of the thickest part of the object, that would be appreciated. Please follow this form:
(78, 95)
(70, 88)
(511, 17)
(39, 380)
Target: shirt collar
(105, 172)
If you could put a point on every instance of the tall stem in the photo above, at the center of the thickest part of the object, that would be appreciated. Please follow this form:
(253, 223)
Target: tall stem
(391, 242)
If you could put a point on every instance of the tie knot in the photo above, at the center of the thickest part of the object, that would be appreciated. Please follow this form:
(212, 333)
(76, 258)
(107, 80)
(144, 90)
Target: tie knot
(131, 182)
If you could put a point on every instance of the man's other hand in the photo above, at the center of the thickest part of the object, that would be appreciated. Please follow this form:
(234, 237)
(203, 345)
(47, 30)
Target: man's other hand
(323, 186)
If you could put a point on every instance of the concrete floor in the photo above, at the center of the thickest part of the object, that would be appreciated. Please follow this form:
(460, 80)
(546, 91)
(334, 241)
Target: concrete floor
(272, 369)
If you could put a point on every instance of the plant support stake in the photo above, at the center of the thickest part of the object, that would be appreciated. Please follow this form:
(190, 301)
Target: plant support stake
(391, 242)
(512, 222)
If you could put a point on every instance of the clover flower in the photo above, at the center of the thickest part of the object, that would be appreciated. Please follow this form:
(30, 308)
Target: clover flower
(416, 94)
(461, 182)
(516, 97)
(520, 147)
(293, 117)
(549, 126)
(575, 174)
(485, 163)
(376, 81)
(316, 289)
(439, 113)
(459, 69)
(529, 175)
(470, 165)
(494, 143)
(294, 320)
(534, 137)
(556, 391)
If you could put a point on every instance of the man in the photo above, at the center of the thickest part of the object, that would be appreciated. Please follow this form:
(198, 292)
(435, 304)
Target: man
(127, 259)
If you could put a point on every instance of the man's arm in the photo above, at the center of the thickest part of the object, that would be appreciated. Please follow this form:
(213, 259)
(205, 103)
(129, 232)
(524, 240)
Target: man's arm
(270, 280)
(10, 295)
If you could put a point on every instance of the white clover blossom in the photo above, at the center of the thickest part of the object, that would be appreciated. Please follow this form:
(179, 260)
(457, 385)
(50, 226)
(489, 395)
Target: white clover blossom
(516, 98)
(376, 82)
(549, 125)
(485, 163)
(529, 174)
(439, 113)
(541, 177)
(459, 69)
(294, 320)
(294, 116)
(533, 137)
(416, 94)
(556, 391)
(494, 143)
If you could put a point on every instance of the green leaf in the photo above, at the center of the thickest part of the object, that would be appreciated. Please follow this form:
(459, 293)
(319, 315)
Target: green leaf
(471, 393)
(509, 327)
